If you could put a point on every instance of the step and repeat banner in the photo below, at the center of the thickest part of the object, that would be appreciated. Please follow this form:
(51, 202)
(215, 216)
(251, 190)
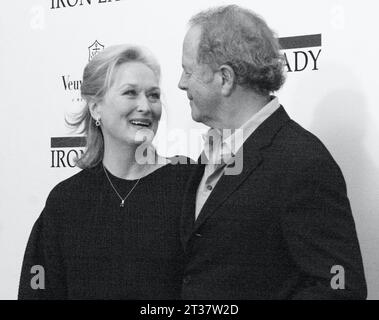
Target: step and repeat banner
(330, 53)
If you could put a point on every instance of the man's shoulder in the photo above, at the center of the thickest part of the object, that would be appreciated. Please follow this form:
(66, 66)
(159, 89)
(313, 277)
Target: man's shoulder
(297, 148)
(297, 140)
(297, 153)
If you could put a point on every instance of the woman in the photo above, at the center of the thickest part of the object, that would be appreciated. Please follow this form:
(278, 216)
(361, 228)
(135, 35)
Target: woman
(112, 230)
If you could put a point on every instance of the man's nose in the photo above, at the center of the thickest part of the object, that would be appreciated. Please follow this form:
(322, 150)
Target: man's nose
(182, 82)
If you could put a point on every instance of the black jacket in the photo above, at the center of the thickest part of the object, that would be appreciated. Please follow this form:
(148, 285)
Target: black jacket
(275, 230)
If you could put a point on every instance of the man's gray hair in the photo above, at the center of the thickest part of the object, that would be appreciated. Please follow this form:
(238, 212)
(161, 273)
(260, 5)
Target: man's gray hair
(239, 38)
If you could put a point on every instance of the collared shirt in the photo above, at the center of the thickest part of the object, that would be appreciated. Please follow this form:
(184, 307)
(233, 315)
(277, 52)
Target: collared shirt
(220, 146)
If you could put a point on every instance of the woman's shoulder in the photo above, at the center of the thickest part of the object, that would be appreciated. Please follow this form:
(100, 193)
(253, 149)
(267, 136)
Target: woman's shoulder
(178, 168)
(181, 159)
(75, 184)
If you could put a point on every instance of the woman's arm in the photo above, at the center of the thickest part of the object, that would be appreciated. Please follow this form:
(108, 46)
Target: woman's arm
(42, 275)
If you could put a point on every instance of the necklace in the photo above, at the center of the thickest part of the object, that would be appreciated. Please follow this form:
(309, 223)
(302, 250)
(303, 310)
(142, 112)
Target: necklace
(115, 190)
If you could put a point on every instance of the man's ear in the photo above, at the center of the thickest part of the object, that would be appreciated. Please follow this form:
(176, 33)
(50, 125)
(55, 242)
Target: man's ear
(228, 78)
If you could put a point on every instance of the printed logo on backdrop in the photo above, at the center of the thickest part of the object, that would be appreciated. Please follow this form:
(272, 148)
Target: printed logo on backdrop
(70, 84)
(65, 149)
(61, 4)
(301, 53)
(94, 49)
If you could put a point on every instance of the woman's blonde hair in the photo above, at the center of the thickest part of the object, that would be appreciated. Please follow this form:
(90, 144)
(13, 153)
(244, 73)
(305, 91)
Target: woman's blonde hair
(97, 79)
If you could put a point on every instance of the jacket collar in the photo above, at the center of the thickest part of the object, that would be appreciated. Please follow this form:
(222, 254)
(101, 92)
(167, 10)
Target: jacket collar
(247, 159)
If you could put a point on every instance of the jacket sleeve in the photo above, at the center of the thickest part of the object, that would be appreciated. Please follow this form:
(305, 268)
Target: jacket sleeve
(319, 231)
(42, 274)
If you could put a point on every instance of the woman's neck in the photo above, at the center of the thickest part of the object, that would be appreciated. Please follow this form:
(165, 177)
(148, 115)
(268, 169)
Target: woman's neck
(121, 160)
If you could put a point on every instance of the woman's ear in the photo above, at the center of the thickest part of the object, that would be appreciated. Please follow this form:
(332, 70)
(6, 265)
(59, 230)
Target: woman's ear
(228, 79)
(94, 110)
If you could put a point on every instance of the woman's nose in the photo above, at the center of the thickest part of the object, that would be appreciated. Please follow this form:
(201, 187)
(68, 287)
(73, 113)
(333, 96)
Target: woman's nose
(143, 104)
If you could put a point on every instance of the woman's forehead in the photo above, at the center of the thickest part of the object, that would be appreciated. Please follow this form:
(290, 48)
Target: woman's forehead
(134, 74)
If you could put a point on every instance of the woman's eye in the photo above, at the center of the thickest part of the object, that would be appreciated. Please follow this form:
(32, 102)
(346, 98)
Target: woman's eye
(155, 96)
(131, 93)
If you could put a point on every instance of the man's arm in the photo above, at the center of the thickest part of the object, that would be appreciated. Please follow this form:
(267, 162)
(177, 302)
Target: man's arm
(319, 230)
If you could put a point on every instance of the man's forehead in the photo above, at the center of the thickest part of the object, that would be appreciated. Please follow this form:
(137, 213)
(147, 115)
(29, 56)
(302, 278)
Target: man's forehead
(191, 41)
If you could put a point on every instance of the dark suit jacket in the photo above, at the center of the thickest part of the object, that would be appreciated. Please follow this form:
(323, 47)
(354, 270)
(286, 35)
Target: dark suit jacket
(276, 230)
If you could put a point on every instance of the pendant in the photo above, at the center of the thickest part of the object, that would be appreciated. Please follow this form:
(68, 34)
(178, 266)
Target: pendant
(122, 203)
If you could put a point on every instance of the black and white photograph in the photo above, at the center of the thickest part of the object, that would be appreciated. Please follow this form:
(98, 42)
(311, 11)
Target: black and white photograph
(186, 151)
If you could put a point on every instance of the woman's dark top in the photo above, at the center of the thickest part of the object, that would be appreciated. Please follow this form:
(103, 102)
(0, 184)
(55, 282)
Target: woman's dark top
(91, 248)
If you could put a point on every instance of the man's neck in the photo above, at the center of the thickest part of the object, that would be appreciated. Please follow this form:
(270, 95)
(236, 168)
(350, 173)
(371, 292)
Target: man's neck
(239, 108)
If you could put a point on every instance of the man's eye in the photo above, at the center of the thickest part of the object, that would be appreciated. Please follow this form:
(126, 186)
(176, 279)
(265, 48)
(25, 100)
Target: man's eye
(186, 72)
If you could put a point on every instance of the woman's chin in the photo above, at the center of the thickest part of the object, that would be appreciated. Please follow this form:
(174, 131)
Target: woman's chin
(142, 135)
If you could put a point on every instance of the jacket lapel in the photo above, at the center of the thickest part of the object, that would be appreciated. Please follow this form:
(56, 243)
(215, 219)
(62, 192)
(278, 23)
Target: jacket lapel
(189, 202)
(249, 155)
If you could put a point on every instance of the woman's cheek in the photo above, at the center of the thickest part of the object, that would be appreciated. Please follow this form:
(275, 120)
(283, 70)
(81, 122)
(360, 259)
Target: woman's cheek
(159, 111)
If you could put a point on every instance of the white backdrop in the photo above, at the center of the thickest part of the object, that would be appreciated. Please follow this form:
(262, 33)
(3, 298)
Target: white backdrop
(42, 49)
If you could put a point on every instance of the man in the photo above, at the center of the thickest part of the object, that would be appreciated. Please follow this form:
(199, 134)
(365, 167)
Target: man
(281, 228)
